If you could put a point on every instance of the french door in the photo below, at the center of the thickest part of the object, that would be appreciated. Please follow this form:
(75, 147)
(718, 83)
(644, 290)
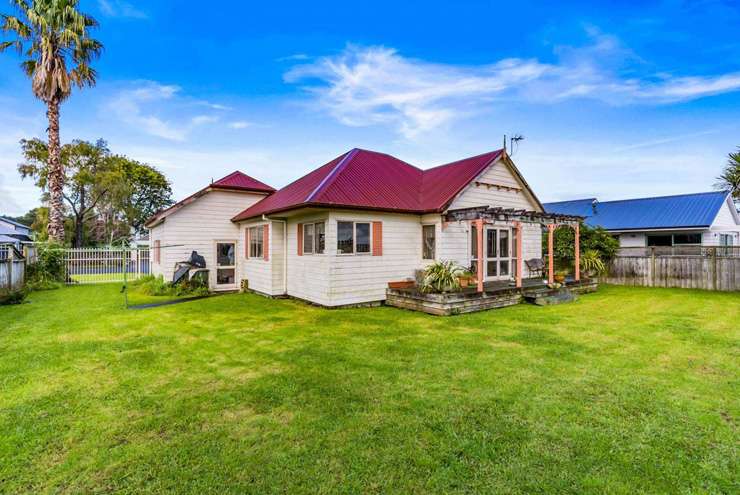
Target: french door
(497, 253)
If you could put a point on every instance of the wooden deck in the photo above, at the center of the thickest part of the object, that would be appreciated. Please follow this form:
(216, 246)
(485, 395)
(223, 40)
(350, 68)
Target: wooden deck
(496, 294)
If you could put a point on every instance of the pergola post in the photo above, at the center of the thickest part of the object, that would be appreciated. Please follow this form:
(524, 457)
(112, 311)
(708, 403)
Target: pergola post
(577, 229)
(479, 231)
(518, 227)
(550, 262)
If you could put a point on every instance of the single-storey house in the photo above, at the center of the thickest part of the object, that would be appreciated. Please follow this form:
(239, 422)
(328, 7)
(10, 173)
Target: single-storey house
(339, 234)
(700, 219)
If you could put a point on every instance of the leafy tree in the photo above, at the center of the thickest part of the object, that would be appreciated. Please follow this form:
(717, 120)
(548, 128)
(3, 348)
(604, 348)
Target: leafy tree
(107, 195)
(52, 37)
(729, 179)
(592, 238)
(89, 176)
(144, 191)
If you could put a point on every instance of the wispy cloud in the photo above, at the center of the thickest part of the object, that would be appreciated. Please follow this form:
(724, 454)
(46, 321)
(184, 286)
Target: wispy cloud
(141, 108)
(240, 124)
(119, 8)
(377, 85)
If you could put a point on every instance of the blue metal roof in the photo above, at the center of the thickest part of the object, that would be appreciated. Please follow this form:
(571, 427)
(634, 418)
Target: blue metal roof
(665, 212)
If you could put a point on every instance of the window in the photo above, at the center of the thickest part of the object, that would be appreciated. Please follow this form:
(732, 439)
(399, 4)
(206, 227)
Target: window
(660, 240)
(428, 235)
(673, 239)
(308, 238)
(725, 239)
(362, 237)
(345, 238)
(687, 239)
(320, 238)
(353, 237)
(255, 241)
(314, 238)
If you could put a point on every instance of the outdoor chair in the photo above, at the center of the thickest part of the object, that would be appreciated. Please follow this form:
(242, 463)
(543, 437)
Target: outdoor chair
(535, 266)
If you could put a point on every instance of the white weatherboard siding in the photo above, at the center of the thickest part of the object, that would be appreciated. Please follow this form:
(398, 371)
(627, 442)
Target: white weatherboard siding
(264, 276)
(632, 240)
(309, 275)
(359, 278)
(724, 223)
(197, 227)
(481, 195)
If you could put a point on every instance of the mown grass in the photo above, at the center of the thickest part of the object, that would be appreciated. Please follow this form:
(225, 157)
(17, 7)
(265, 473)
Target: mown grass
(625, 391)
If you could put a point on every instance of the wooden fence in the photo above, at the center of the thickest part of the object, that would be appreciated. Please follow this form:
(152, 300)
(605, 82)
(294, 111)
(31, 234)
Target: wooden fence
(712, 269)
(12, 270)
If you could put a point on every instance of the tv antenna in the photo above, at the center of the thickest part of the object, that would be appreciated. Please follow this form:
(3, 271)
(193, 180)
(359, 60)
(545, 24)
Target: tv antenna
(513, 142)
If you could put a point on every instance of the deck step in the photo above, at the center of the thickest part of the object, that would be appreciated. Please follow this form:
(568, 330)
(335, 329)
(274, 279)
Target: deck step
(548, 297)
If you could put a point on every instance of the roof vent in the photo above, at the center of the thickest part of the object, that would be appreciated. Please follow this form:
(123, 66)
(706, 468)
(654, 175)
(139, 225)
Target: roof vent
(594, 203)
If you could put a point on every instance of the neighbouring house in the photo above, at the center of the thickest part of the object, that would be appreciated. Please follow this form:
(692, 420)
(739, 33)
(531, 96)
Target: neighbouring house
(202, 222)
(17, 234)
(339, 234)
(701, 219)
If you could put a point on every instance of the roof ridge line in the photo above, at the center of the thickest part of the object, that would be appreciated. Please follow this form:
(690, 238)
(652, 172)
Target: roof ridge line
(498, 151)
(661, 197)
(573, 201)
(331, 175)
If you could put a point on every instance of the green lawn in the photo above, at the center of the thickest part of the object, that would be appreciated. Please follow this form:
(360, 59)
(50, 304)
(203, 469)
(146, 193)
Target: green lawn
(626, 391)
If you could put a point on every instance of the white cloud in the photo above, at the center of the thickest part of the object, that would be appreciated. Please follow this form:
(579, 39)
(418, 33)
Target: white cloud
(142, 107)
(119, 8)
(239, 124)
(377, 85)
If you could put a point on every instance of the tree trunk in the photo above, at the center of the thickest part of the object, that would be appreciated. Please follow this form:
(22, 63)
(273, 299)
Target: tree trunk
(56, 175)
(79, 231)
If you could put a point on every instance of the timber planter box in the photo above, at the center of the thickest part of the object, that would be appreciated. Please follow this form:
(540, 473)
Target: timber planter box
(404, 284)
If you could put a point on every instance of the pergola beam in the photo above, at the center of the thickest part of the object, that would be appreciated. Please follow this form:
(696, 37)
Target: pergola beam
(509, 214)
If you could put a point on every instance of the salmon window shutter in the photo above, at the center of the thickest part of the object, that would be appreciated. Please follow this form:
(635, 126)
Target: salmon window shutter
(300, 239)
(377, 238)
(246, 242)
(266, 242)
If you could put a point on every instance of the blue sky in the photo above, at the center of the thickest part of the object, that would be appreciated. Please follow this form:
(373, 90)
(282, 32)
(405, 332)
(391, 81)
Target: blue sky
(619, 99)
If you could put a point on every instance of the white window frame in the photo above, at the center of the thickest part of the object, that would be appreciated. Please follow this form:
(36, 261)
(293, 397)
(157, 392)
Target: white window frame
(354, 237)
(218, 267)
(261, 229)
(434, 227)
(315, 243)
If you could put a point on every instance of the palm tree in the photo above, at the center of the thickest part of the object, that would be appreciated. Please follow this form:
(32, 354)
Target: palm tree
(729, 180)
(52, 36)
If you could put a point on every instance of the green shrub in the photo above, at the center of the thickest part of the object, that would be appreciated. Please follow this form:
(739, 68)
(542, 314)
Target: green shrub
(591, 262)
(48, 270)
(442, 276)
(12, 296)
(592, 239)
(156, 286)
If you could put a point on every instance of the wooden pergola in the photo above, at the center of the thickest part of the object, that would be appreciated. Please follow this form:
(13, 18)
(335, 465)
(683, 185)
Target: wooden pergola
(480, 215)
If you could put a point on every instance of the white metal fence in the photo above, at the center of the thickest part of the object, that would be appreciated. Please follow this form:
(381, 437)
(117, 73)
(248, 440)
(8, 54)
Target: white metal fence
(103, 265)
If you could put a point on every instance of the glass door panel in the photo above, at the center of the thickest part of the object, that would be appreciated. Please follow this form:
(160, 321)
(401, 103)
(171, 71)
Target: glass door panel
(225, 263)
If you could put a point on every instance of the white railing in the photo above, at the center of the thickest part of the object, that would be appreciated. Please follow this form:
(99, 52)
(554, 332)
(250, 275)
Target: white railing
(105, 265)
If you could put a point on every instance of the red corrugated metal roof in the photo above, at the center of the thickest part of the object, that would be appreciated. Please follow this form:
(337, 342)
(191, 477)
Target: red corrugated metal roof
(241, 181)
(367, 179)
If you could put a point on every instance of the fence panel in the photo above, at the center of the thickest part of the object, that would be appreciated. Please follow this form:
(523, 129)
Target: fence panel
(105, 265)
(706, 268)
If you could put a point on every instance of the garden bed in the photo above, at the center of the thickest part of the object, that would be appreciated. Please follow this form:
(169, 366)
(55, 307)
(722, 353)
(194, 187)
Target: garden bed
(494, 295)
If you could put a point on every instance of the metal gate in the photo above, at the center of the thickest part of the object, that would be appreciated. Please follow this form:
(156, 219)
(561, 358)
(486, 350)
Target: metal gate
(105, 265)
